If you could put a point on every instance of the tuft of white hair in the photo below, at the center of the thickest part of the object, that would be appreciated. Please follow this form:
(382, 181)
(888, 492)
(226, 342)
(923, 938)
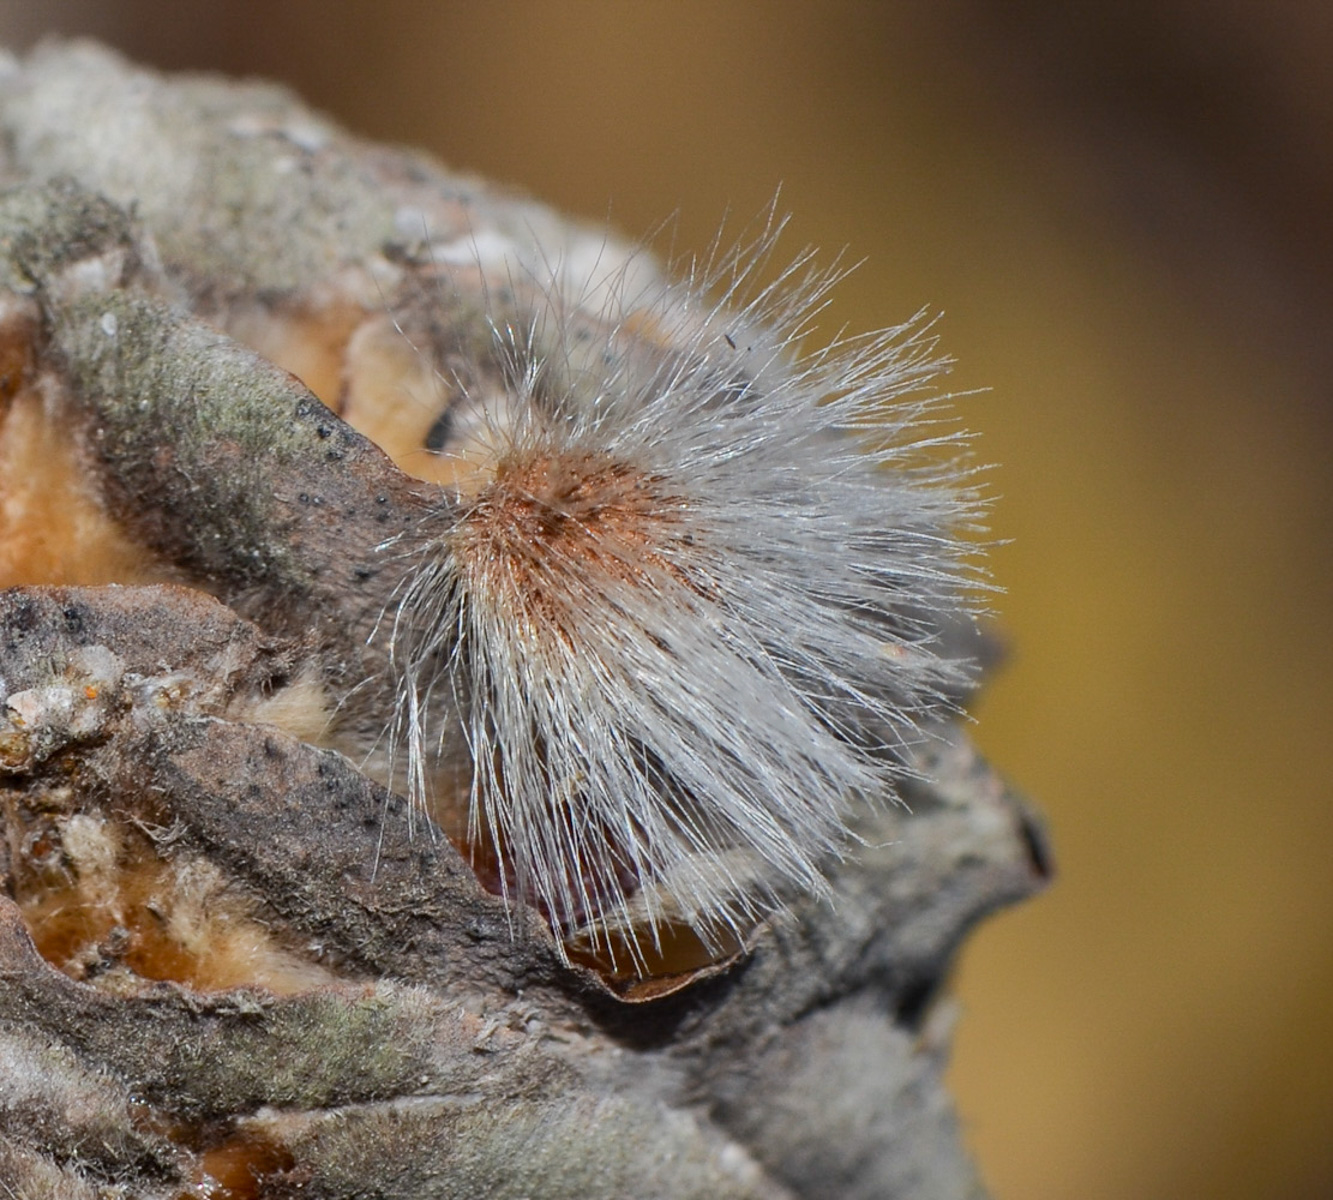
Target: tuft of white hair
(688, 612)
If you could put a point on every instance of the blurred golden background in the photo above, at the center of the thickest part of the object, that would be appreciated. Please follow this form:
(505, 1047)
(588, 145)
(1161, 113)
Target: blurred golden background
(1125, 213)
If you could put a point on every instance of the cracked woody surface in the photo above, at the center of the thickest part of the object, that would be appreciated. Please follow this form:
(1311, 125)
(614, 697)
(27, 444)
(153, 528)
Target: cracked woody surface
(268, 982)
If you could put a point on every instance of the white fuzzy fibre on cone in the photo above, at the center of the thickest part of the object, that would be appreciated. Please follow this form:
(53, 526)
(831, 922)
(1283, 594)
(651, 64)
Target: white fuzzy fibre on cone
(687, 612)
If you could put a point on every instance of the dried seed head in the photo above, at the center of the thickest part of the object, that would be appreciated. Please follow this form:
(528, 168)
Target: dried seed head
(686, 607)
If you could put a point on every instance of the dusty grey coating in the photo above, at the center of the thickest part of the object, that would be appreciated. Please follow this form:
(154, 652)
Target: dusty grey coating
(455, 1058)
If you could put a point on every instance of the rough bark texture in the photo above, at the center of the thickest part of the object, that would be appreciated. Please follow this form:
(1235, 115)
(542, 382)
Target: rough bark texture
(413, 1037)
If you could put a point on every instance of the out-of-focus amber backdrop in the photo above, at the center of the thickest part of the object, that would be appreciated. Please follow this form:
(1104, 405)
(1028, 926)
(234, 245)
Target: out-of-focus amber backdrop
(1125, 213)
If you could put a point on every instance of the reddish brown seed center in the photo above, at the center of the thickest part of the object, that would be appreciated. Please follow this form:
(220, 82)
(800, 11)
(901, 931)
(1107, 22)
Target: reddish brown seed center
(549, 515)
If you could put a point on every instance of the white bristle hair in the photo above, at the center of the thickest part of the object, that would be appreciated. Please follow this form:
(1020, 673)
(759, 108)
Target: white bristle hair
(692, 615)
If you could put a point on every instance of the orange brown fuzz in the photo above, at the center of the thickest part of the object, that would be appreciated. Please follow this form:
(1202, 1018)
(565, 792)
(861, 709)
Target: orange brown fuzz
(52, 528)
(392, 395)
(18, 331)
(309, 341)
(100, 903)
(547, 515)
